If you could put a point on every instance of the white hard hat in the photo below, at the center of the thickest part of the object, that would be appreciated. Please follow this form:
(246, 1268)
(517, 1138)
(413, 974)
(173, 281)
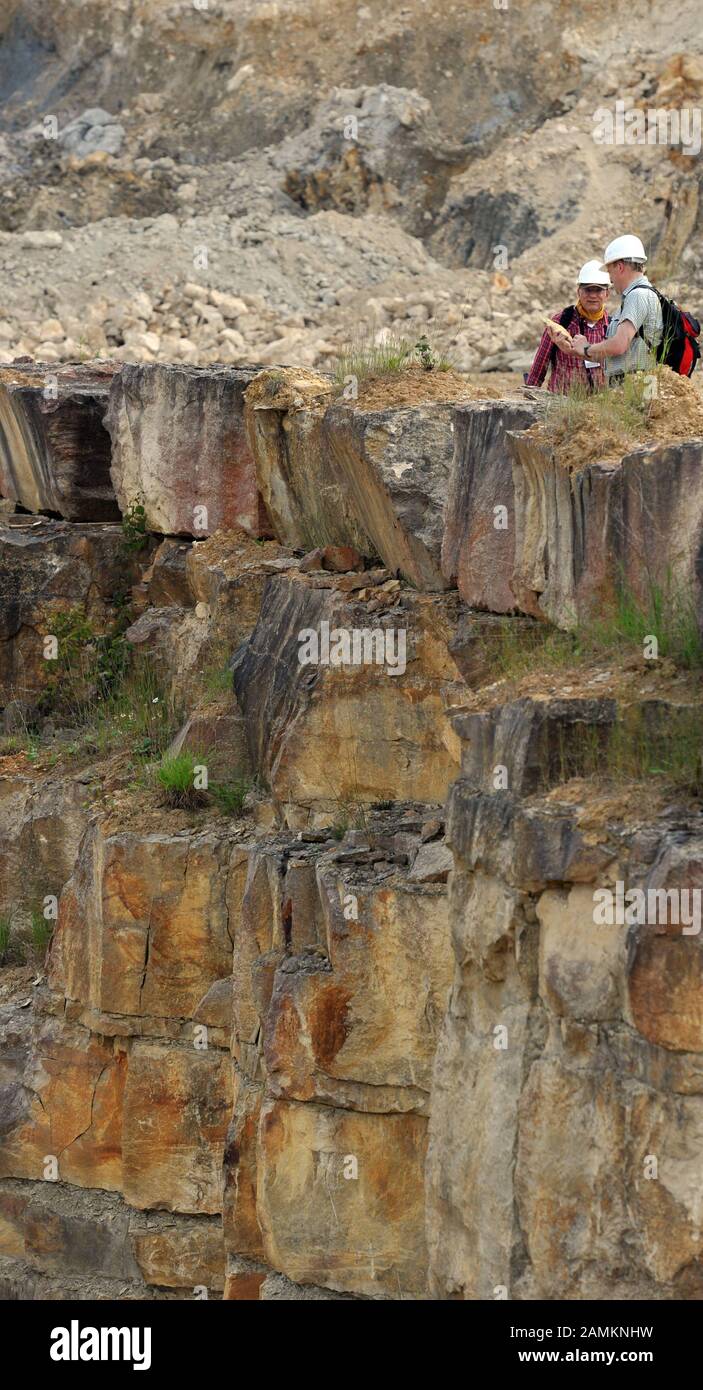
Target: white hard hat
(591, 274)
(624, 248)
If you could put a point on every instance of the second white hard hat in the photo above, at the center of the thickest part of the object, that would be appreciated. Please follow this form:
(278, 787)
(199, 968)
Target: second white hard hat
(624, 248)
(591, 274)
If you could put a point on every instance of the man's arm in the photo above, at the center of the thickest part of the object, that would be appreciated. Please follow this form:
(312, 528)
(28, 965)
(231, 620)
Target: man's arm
(538, 370)
(610, 347)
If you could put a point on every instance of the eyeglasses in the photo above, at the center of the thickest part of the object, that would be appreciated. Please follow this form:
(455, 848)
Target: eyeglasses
(594, 289)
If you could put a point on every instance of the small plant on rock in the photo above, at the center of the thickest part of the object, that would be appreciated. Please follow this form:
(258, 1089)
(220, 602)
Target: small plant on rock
(230, 796)
(427, 358)
(178, 777)
(134, 528)
(5, 938)
(41, 931)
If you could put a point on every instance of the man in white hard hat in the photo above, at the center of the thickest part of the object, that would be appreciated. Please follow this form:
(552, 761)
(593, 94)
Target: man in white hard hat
(586, 318)
(637, 327)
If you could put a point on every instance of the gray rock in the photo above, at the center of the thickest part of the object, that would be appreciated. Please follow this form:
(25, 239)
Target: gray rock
(432, 863)
(54, 449)
(178, 443)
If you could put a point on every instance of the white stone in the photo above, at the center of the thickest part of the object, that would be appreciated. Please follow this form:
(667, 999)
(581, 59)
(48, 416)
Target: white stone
(42, 240)
(51, 331)
(229, 304)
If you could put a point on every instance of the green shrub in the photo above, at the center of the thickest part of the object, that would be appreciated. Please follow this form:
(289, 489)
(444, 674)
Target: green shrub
(134, 528)
(429, 358)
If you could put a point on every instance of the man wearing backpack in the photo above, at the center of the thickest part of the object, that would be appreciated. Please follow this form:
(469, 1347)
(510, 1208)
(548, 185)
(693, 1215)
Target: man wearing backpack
(648, 328)
(636, 329)
(587, 318)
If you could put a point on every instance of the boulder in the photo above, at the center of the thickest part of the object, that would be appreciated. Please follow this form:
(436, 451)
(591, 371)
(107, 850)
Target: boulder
(54, 448)
(179, 448)
(432, 864)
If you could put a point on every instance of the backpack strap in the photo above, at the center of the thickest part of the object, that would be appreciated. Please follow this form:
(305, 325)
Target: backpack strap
(660, 297)
(565, 317)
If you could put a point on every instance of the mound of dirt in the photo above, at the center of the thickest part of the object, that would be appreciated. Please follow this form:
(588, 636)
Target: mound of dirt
(604, 427)
(414, 386)
(677, 410)
(287, 388)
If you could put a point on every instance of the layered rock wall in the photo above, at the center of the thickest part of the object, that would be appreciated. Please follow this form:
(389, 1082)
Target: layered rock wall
(294, 1040)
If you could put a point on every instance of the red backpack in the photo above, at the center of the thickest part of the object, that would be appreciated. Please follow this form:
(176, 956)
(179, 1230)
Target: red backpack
(679, 347)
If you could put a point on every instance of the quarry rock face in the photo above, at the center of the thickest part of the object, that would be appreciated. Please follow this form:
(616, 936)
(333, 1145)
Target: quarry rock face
(371, 711)
(398, 146)
(318, 934)
(637, 524)
(142, 926)
(568, 1087)
(41, 824)
(311, 1035)
(47, 569)
(180, 450)
(54, 448)
(333, 474)
(526, 533)
(343, 1027)
(478, 545)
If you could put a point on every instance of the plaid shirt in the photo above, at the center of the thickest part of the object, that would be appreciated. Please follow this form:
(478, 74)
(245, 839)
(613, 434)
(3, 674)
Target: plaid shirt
(566, 370)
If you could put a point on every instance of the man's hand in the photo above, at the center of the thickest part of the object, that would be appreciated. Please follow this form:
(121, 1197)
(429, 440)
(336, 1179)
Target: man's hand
(561, 339)
(579, 345)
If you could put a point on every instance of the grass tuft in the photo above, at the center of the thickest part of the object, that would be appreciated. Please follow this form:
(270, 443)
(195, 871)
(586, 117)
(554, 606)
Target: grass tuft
(177, 777)
(230, 796)
(667, 612)
(366, 357)
(5, 938)
(41, 931)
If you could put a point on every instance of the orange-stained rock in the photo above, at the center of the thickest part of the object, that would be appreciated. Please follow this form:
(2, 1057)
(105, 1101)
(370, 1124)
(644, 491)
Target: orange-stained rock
(188, 1255)
(362, 1233)
(665, 989)
(359, 1017)
(176, 1108)
(143, 923)
(67, 1107)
